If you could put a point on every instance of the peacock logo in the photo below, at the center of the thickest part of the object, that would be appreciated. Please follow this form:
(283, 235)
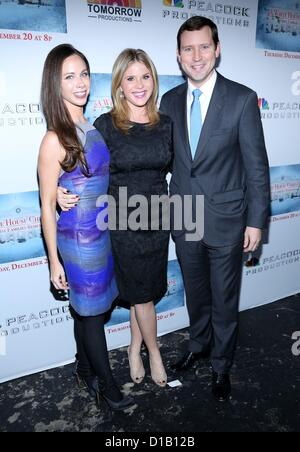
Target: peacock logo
(263, 104)
(174, 3)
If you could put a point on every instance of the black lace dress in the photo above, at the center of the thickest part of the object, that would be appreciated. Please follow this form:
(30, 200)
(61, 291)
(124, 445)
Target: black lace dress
(140, 161)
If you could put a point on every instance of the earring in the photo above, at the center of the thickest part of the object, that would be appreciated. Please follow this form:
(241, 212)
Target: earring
(122, 94)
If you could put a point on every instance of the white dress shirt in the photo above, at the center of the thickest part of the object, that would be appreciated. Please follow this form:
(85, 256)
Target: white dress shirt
(207, 92)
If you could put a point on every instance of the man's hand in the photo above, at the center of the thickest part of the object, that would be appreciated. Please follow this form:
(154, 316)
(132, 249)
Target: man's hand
(65, 200)
(253, 237)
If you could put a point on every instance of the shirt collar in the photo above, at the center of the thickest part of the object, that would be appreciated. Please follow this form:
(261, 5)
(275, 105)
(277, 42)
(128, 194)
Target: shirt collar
(207, 88)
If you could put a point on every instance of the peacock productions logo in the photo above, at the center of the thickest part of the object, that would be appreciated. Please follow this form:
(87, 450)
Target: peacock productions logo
(20, 114)
(279, 109)
(115, 10)
(226, 14)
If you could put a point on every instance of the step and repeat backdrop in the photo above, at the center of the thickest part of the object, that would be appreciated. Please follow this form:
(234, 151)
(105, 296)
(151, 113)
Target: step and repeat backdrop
(260, 48)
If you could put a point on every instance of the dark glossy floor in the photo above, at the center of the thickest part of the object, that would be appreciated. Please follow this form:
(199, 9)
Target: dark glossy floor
(266, 388)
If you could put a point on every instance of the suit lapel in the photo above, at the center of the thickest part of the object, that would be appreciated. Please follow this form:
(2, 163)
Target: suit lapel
(182, 119)
(212, 119)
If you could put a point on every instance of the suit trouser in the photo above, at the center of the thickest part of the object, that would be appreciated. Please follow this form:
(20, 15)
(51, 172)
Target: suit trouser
(212, 279)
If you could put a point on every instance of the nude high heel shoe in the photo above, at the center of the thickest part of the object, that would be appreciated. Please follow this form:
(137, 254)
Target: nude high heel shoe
(137, 370)
(158, 373)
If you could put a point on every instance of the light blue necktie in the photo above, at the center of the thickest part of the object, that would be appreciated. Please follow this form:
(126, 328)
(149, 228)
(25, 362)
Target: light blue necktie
(196, 122)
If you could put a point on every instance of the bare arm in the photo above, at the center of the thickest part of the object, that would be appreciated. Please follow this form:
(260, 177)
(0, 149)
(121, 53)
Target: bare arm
(50, 155)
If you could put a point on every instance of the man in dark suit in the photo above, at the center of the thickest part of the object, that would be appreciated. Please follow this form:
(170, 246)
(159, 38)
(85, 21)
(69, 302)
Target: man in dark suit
(219, 153)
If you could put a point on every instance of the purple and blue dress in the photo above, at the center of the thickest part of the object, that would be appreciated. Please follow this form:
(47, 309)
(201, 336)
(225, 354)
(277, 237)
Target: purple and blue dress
(86, 250)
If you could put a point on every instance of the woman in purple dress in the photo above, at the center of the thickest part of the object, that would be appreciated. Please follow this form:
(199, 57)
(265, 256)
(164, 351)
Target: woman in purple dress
(74, 154)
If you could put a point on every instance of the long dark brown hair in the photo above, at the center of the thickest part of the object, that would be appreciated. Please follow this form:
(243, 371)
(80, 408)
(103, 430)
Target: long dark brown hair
(55, 111)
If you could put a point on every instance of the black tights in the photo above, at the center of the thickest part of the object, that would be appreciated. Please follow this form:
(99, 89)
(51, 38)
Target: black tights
(92, 353)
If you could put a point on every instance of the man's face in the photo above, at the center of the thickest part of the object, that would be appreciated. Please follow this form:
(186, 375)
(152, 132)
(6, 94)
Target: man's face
(198, 55)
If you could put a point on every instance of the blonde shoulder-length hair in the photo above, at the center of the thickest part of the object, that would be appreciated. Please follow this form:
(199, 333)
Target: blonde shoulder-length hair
(120, 111)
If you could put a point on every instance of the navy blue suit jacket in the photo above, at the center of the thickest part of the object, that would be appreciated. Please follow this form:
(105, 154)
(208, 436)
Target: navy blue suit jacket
(231, 166)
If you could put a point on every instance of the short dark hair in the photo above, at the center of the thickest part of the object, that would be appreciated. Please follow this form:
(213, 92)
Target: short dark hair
(197, 23)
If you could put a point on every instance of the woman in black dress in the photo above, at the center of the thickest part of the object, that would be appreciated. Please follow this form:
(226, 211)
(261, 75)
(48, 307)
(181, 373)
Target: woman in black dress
(140, 142)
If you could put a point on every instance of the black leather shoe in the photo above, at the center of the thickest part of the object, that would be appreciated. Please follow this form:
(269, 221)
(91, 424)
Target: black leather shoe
(188, 360)
(221, 386)
(123, 404)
